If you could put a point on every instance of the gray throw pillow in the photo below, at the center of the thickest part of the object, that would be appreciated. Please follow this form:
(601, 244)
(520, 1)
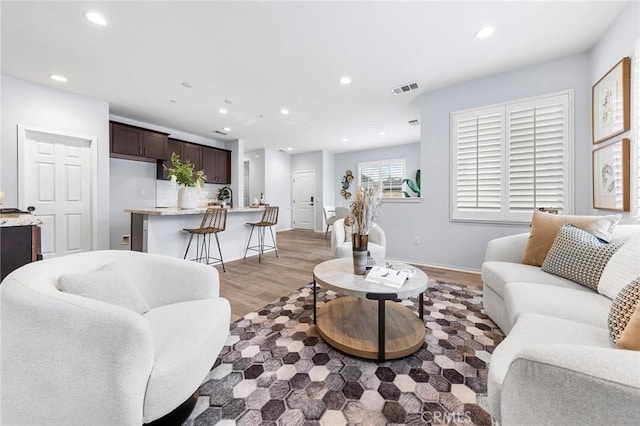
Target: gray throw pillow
(108, 284)
(579, 256)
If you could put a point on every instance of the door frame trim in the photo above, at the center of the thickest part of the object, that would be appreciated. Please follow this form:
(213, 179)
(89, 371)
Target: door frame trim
(93, 188)
(315, 198)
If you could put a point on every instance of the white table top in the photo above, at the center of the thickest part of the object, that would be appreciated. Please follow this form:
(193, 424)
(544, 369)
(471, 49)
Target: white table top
(337, 275)
(173, 211)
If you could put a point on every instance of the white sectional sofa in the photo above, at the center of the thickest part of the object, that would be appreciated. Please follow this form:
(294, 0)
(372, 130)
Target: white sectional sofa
(557, 365)
(74, 360)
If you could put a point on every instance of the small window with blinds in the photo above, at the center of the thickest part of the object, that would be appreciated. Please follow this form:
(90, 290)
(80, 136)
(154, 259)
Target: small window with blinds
(512, 158)
(388, 173)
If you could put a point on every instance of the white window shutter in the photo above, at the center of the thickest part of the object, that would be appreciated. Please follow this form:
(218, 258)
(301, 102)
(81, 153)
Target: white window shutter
(512, 158)
(538, 134)
(477, 167)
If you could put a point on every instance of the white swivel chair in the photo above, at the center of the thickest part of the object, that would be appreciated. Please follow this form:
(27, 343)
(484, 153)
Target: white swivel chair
(71, 359)
(341, 244)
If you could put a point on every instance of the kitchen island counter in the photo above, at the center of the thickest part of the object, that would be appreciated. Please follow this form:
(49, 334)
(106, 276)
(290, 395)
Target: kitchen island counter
(160, 231)
(173, 211)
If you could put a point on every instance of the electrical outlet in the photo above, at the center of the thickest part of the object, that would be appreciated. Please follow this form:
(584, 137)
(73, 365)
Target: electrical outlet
(416, 241)
(126, 240)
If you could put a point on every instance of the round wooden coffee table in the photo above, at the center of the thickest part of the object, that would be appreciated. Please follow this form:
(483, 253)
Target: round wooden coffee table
(361, 323)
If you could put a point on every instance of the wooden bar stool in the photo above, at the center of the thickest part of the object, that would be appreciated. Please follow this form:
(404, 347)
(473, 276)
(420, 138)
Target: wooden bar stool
(213, 222)
(269, 219)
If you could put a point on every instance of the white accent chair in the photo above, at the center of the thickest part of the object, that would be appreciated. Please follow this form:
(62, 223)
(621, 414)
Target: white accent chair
(331, 214)
(73, 360)
(341, 246)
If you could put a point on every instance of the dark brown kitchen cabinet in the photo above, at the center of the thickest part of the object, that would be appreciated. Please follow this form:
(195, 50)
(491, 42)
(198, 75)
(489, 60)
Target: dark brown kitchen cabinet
(19, 245)
(193, 153)
(136, 143)
(217, 165)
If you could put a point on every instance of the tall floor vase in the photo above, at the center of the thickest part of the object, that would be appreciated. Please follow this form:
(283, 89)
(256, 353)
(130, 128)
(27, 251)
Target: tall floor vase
(360, 243)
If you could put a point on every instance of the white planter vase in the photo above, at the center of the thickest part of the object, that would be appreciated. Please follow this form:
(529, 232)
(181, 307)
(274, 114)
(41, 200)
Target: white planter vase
(187, 197)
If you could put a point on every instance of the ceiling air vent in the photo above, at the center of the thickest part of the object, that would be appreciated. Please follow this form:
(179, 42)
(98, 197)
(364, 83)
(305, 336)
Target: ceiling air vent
(414, 123)
(405, 88)
(220, 133)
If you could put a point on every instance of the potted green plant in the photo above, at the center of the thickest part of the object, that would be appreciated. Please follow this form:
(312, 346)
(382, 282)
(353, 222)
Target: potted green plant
(189, 183)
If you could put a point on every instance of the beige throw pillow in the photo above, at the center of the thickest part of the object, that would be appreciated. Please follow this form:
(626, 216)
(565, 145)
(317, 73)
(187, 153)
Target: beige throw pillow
(630, 337)
(545, 227)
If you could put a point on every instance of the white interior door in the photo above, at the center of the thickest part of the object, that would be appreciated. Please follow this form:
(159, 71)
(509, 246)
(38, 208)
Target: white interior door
(56, 177)
(304, 184)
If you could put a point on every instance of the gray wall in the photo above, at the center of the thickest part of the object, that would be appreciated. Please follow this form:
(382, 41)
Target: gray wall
(133, 185)
(349, 161)
(256, 159)
(278, 185)
(312, 161)
(618, 42)
(463, 244)
(32, 104)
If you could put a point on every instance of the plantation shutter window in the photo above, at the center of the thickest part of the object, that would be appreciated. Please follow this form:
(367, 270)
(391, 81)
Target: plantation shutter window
(510, 159)
(478, 164)
(537, 135)
(388, 173)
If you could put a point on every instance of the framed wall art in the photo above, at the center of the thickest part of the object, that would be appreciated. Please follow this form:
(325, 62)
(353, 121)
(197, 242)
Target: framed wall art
(611, 176)
(610, 102)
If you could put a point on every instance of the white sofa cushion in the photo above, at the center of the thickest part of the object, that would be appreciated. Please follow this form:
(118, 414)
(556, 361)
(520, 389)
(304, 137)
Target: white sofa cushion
(623, 267)
(108, 284)
(496, 274)
(187, 338)
(531, 330)
(579, 256)
(531, 298)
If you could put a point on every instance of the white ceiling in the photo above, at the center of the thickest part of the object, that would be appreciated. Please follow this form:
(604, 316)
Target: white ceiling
(264, 56)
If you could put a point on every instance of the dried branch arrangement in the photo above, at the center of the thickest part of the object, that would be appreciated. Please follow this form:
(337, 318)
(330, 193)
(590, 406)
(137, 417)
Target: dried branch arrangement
(366, 208)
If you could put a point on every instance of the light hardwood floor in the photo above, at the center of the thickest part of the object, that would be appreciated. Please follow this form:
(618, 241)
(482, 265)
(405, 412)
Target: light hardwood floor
(249, 285)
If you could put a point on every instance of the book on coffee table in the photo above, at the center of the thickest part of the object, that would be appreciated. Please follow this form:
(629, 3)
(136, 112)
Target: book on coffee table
(391, 277)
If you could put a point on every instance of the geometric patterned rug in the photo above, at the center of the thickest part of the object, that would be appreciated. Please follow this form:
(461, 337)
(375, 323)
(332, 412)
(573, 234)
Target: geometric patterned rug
(275, 369)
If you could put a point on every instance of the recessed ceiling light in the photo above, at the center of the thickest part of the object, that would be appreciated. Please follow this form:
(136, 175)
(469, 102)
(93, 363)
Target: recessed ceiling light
(345, 140)
(289, 149)
(223, 111)
(96, 18)
(485, 32)
(383, 133)
(187, 84)
(58, 77)
(227, 129)
(284, 111)
(345, 80)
